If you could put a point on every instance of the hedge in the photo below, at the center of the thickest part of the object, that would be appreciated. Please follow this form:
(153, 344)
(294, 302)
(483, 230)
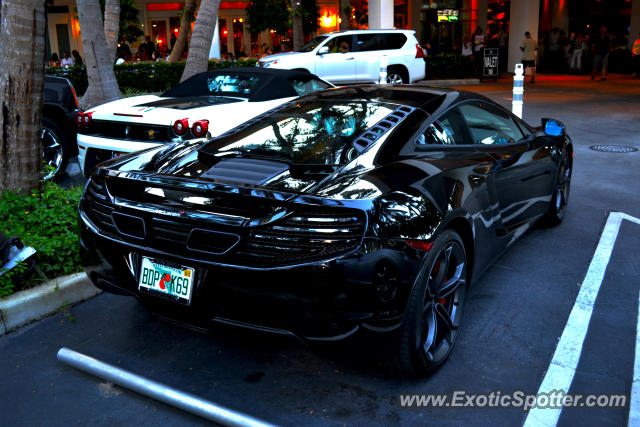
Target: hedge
(449, 66)
(140, 77)
(46, 220)
(150, 77)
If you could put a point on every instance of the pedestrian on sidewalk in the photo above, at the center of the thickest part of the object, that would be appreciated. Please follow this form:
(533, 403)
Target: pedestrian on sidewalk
(529, 49)
(479, 42)
(601, 49)
(577, 47)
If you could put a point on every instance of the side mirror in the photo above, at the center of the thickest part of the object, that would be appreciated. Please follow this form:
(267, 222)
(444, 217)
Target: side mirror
(553, 127)
(323, 50)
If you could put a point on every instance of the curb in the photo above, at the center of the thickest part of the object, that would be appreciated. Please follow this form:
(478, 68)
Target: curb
(452, 82)
(32, 304)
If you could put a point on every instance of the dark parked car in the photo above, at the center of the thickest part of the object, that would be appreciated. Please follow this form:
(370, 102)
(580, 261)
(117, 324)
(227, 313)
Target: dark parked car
(366, 207)
(58, 127)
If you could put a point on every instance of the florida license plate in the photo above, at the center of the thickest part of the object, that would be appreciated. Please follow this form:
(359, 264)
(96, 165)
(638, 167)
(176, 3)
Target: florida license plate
(172, 281)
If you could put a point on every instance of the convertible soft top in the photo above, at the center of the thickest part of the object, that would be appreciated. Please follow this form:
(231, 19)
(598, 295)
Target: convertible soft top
(255, 84)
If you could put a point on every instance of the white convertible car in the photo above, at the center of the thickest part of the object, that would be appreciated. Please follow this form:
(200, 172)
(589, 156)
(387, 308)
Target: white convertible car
(206, 105)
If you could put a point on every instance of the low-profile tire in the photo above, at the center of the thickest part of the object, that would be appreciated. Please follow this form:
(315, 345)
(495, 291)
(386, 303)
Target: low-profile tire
(55, 151)
(397, 75)
(434, 309)
(560, 199)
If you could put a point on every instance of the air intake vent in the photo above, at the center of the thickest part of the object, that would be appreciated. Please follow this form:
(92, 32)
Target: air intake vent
(304, 237)
(212, 242)
(380, 128)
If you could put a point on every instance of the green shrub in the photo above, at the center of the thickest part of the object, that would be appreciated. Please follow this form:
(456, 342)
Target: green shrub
(449, 66)
(142, 77)
(46, 220)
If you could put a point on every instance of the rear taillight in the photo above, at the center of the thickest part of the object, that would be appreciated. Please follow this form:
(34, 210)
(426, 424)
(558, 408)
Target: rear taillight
(75, 97)
(78, 119)
(180, 127)
(86, 119)
(200, 128)
(419, 51)
(420, 244)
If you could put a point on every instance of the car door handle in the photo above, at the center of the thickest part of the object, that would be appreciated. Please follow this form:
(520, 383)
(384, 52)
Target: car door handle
(350, 58)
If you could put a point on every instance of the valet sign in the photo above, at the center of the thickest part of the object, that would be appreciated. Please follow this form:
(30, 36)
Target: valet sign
(448, 15)
(490, 62)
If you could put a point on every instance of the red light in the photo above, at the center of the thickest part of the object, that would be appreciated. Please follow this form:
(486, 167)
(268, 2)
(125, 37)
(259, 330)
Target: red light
(86, 118)
(180, 127)
(225, 32)
(175, 30)
(419, 51)
(200, 128)
(79, 118)
(420, 244)
(159, 41)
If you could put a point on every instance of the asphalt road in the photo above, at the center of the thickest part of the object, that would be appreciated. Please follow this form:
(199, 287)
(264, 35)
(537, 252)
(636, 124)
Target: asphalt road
(513, 319)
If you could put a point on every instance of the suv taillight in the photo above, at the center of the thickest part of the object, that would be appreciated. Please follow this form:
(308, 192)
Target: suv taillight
(419, 51)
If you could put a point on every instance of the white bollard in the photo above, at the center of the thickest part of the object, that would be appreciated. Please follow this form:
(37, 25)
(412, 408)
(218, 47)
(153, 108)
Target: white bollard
(518, 91)
(383, 70)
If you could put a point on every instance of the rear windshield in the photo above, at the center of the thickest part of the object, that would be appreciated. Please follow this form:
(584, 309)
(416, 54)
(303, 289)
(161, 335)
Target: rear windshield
(314, 132)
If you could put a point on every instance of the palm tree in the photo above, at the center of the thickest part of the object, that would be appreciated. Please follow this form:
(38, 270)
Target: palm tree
(344, 5)
(185, 24)
(21, 89)
(206, 20)
(103, 86)
(111, 25)
(296, 18)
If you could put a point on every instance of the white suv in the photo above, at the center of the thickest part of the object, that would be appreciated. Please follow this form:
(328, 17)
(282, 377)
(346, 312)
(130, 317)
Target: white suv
(354, 57)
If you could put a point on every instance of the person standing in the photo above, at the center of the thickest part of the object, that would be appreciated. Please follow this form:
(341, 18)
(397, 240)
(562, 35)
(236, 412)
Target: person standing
(76, 57)
(529, 46)
(635, 56)
(502, 39)
(478, 45)
(577, 46)
(601, 48)
(66, 61)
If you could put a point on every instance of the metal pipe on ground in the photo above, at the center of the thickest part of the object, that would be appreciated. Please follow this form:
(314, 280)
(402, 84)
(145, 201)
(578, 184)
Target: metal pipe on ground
(163, 393)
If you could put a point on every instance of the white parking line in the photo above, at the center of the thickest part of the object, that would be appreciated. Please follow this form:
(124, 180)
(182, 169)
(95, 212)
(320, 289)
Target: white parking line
(634, 409)
(565, 360)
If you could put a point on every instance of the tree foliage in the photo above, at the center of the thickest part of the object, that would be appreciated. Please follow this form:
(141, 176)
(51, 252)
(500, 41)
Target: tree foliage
(129, 22)
(268, 15)
(277, 15)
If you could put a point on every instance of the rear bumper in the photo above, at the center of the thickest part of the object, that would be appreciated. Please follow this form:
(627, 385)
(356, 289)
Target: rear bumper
(93, 150)
(323, 300)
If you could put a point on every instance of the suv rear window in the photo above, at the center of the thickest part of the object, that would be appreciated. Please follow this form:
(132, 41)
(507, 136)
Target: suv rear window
(369, 42)
(392, 41)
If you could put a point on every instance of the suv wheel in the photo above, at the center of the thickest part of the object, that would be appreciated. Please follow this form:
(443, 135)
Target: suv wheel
(397, 75)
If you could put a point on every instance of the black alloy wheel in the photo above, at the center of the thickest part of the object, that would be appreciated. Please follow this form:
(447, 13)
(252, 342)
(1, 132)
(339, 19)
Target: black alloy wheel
(434, 309)
(54, 149)
(560, 199)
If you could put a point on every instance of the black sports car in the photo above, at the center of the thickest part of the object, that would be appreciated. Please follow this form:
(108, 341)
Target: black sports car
(367, 207)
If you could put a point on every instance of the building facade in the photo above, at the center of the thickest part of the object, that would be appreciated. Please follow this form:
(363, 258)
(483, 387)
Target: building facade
(442, 23)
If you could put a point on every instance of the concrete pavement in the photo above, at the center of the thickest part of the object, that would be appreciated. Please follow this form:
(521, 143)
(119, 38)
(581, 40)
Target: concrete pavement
(513, 318)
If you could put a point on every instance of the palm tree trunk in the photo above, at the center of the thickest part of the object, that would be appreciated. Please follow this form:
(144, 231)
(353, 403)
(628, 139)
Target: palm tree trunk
(200, 46)
(183, 35)
(342, 13)
(103, 86)
(21, 92)
(297, 32)
(111, 26)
